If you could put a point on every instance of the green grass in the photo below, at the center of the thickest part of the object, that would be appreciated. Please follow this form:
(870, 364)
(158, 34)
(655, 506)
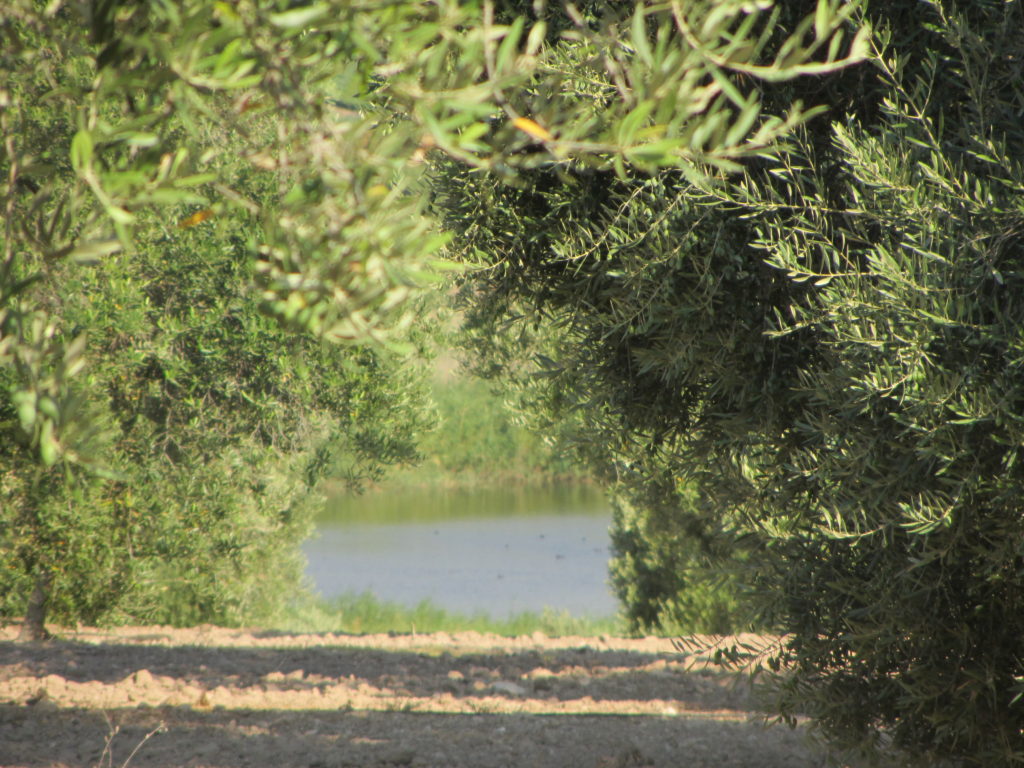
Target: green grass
(366, 614)
(477, 443)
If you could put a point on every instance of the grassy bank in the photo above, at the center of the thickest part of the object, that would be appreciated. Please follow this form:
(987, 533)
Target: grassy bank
(477, 443)
(366, 614)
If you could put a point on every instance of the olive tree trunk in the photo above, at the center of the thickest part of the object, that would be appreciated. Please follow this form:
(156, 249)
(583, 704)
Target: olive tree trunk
(34, 628)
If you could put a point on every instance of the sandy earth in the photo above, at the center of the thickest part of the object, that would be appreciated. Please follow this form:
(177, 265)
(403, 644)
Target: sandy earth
(155, 696)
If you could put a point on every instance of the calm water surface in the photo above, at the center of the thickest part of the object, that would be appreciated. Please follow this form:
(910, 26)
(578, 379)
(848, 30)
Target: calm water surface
(499, 551)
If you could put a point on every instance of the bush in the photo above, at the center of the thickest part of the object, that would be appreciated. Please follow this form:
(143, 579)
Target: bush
(161, 434)
(667, 582)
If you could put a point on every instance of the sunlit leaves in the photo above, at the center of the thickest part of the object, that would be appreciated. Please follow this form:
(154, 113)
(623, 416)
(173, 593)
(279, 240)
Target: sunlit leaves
(47, 403)
(82, 151)
(298, 18)
(449, 76)
(531, 127)
(151, 427)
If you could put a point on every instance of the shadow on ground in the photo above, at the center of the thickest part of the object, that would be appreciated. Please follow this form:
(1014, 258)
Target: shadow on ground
(69, 703)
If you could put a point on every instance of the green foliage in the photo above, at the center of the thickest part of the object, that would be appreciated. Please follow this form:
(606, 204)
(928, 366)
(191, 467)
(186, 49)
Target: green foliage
(473, 428)
(162, 439)
(365, 614)
(221, 425)
(478, 441)
(295, 137)
(902, 467)
(664, 578)
(581, 242)
(816, 364)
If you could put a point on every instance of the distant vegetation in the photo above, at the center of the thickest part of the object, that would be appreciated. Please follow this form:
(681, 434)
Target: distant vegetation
(364, 613)
(477, 442)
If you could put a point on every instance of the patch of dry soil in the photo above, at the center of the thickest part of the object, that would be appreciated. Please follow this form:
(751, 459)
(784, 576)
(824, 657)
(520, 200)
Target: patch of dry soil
(211, 697)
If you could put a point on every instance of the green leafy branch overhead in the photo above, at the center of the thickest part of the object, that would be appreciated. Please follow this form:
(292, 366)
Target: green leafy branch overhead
(337, 104)
(662, 85)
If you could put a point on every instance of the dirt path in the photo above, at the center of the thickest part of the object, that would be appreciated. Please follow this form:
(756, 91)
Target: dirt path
(233, 698)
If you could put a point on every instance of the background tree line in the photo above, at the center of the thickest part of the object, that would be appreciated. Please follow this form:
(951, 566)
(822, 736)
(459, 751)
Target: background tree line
(791, 346)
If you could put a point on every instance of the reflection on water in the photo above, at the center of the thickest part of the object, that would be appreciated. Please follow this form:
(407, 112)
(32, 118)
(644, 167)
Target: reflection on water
(434, 504)
(500, 551)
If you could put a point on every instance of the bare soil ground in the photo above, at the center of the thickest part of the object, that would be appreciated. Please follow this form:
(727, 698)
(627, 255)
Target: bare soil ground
(213, 697)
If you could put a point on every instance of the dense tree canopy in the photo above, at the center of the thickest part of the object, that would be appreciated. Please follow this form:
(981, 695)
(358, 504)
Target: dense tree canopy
(811, 365)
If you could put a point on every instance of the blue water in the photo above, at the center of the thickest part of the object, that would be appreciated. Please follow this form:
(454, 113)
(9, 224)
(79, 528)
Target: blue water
(543, 552)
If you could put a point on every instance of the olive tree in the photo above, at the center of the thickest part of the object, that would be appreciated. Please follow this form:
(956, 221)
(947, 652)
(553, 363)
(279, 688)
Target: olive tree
(812, 362)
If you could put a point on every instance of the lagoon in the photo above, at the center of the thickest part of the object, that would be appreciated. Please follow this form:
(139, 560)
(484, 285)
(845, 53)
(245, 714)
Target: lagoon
(497, 551)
